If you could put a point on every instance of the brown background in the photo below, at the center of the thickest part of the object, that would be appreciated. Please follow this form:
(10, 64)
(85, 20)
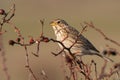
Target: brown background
(105, 14)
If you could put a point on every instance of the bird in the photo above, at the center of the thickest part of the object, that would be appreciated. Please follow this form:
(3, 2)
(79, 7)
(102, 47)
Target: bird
(71, 38)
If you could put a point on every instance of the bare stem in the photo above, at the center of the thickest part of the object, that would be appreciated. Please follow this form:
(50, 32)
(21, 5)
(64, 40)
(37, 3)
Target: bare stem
(105, 37)
(28, 64)
(3, 58)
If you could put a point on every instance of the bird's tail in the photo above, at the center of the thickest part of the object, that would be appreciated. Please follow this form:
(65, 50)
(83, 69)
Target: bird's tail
(105, 58)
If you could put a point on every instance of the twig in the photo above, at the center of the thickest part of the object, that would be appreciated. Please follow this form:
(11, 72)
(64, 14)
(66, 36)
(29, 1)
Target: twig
(101, 76)
(105, 37)
(41, 37)
(7, 20)
(63, 64)
(4, 19)
(13, 12)
(17, 31)
(37, 52)
(78, 36)
(3, 58)
(28, 64)
(108, 75)
(42, 23)
(95, 65)
(57, 53)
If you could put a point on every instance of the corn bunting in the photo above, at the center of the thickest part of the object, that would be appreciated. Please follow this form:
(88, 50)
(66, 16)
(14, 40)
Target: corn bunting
(68, 36)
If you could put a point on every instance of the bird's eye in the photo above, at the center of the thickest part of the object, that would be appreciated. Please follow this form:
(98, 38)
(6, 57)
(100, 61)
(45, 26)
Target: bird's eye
(58, 22)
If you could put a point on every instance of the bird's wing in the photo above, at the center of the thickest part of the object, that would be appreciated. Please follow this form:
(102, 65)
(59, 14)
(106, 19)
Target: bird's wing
(82, 40)
(86, 43)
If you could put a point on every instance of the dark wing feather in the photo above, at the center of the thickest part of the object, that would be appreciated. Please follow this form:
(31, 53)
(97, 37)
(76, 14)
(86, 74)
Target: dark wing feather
(87, 44)
(81, 39)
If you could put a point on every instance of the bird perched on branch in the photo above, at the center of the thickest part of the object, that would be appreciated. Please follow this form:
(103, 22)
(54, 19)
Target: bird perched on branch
(71, 38)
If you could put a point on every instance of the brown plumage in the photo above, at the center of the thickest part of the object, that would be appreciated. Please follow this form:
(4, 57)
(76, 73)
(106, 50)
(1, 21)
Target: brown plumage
(68, 35)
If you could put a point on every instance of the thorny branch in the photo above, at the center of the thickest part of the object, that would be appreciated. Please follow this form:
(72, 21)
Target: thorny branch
(3, 58)
(20, 38)
(38, 41)
(85, 70)
(28, 64)
(4, 20)
(75, 65)
(105, 37)
(95, 64)
(115, 70)
(5, 15)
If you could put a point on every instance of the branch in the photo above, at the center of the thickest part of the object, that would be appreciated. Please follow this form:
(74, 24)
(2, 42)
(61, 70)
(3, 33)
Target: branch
(3, 58)
(105, 37)
(28, 64)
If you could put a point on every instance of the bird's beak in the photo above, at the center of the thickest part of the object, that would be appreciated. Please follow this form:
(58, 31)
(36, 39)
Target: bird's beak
(53, 24)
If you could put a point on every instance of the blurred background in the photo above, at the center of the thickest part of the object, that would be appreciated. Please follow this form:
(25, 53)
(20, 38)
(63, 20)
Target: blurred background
(105, 14)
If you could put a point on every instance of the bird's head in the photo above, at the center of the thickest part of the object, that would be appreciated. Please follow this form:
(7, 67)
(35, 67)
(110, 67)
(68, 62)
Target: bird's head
(59, 26)
(58, 23)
